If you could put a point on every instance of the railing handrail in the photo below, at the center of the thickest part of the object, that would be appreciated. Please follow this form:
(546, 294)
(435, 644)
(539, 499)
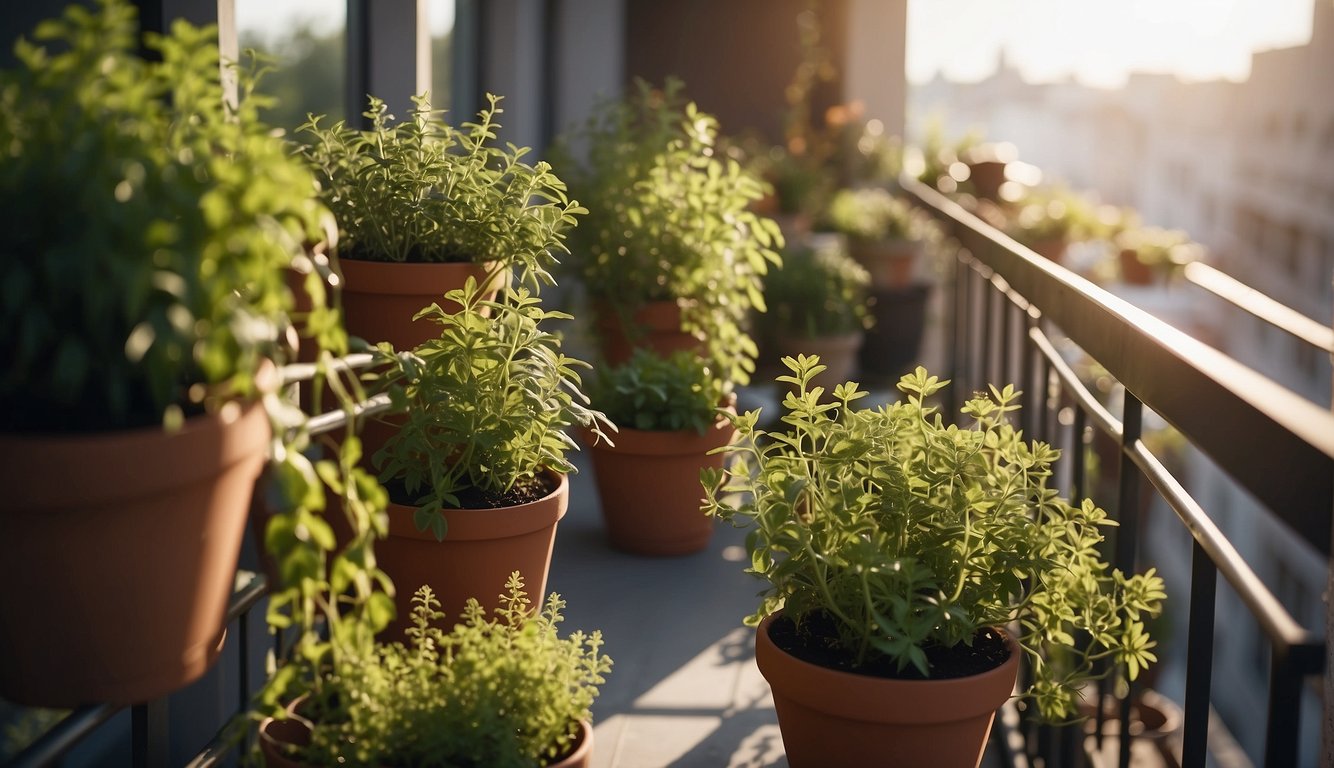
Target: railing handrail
(1276, 444)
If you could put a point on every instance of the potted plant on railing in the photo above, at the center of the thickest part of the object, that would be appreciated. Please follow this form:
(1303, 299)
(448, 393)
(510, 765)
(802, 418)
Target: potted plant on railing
(668, 418)
(818, 305)
(422, 205)
(476, 469)
(1153, 254)
(1049, 220)
(504, 691)
(670, 253)
(910, 564)
(149, 229)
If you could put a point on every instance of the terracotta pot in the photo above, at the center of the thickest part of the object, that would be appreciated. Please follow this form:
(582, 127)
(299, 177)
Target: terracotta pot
(838, 353)
(892, 343)
(656, 327)
(481, 548)
(987, 177)
(381, 298)
(833, 718)
(892, 263)
(296, 732)
(650, 490)
(118, 551)
(1134, 271)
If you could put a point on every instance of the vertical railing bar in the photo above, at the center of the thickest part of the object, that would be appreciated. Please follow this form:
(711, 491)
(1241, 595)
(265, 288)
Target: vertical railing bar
(1283, 729)
(959, 353)
(243, 656)
(1200, 660)
(1127, 535)
(1078, 464)
(1008, 310)
(148, 728)
(1027, 354)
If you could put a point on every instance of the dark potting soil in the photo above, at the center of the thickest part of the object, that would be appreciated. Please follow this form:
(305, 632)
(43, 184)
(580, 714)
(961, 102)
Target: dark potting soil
(816, 640)
(526, 490)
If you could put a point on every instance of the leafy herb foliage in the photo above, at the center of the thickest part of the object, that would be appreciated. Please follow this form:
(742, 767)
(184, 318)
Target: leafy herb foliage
(817, 292)
(421, 190)
(148, 227)
(873, 214)
(507, 691)
(489, 401)
(670, 221)
(670, 394)
(908, 532)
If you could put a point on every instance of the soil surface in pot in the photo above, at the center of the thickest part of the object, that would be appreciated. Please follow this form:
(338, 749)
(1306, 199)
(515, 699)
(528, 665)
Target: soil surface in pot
(816, 642)
(525, 491)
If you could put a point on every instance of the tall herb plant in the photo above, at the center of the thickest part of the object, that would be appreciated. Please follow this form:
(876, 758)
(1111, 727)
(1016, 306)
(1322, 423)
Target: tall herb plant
(909, 533)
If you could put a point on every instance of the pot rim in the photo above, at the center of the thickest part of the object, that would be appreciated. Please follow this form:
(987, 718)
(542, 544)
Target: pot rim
(411, 278)
(491, 522)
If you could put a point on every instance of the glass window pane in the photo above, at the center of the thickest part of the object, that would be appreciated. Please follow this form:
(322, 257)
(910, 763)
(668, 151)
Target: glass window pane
(305, 42)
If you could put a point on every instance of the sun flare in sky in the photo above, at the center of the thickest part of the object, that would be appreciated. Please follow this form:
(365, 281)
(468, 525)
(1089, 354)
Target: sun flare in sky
(1099, 42)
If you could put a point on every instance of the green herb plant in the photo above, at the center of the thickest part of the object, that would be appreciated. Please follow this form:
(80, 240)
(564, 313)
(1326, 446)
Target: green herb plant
(667, 394)
(421, 190)
(670, 221)
(505, 691)
(874, 214)
(909, 533)
(1165, 251)
(818, 292)
(1054, 213)
(489, 398)
(149, 229)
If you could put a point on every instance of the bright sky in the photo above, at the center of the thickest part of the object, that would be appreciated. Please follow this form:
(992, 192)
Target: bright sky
(1099, 41)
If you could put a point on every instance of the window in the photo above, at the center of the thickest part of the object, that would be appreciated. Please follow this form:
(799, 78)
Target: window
(305, 43)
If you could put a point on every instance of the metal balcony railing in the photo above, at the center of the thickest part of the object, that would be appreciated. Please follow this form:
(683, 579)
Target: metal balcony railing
(1008, 311)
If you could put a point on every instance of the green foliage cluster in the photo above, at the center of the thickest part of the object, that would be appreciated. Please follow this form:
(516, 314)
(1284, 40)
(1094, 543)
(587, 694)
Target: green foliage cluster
(908, 532)
(819, 291)
(487, 402)
(1055, 213)
(1167, 251)
(421, 190)
(650, 392)
(671, 221)
(149, 226)
(874, 214)
(502, 692)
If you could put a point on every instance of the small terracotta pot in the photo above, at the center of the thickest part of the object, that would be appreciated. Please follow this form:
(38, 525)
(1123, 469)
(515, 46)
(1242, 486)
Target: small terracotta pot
(1134, 271)
(118, 552)
(656, 327)
(837, 353)
(833, 718)
(987, 177)
(1052, 248)
(481, 548)
(650, 488)
(891, 263)
(381, 298)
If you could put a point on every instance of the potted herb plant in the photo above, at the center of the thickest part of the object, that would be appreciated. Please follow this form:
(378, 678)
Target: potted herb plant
(476, 470)
(1048, 220)
(885, 233)
(671, 254)
(504, 691)
(910, 564)
(149, 229)
(667, 410)
(818, 305)
(1153, 254)
(422, 205)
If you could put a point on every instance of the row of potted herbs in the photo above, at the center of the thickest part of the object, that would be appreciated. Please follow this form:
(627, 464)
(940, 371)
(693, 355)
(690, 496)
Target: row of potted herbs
(192, 304)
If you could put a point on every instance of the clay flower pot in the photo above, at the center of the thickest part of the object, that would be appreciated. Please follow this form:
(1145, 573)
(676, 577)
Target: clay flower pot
(656, 327)
(891, 263)
(118, 551)
(649, 487)
(381, 298)
(481, 548)
(828, 717)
